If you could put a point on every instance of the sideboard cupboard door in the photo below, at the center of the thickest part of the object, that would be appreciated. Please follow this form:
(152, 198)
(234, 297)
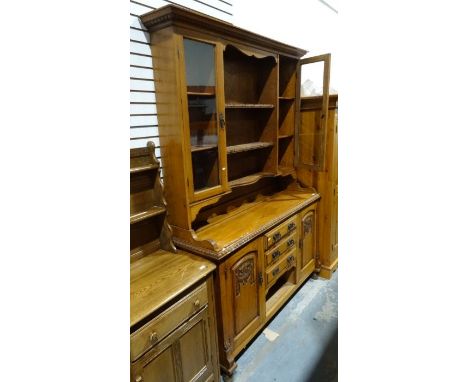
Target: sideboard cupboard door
(194, 348)
(244, 287)
(203, 99)
(308, 244)
(311, 138)
(183, 356)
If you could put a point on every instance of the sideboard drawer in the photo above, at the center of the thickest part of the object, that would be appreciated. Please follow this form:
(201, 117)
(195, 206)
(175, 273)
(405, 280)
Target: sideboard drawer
(158, 328)
(275, 271)
(275, 235)
(274, 254)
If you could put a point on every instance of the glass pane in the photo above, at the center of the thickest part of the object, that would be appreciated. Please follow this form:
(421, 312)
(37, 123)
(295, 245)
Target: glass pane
(312, 79)
(200, 78)
(202, 116)
(205, 169)
(199, 65)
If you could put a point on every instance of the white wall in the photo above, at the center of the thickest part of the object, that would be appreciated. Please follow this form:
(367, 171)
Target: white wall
(307, 24)
(143, 113)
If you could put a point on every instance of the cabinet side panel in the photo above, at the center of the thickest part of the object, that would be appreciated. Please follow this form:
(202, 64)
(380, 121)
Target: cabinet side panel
(165, 60)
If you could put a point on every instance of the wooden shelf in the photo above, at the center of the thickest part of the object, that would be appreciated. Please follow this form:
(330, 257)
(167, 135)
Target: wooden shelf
(248, 147)
(135, 217)
(201, 94)
(249, 179)
(200, 106)
(145, 167)
(201, 91)
(286, 98)
(284, 136)
(249, 106)
(196, 149)
(275, 302)
(282, 170)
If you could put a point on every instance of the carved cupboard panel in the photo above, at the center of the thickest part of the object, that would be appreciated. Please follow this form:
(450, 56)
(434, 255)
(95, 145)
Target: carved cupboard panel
(245, 294)
(307, 245)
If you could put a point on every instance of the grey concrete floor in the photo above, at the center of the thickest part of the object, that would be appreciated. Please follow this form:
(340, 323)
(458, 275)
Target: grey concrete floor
(307, 346)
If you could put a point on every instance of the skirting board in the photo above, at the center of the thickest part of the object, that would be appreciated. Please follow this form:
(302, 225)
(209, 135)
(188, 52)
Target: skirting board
(327, 271)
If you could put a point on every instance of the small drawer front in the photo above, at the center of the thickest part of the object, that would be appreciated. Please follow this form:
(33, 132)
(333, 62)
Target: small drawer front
(274, 254)
(158, 328)
(275, 271)
(274, 236)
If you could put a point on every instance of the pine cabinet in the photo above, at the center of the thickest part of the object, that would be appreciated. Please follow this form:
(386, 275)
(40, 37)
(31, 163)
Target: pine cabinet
(172, 318)
(183, 356)
(239, 164)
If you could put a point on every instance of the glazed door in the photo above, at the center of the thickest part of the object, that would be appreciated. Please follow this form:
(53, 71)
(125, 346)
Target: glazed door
(307, 244)
(244, 291)
(182, 357)
(313, 81)
(202, 85)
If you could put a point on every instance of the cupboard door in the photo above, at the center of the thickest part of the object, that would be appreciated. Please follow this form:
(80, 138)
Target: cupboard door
(244, 307)
(308, 244)
(159, 365)
(311, 135)
(185, 355)
(202, 92)
(195, 352)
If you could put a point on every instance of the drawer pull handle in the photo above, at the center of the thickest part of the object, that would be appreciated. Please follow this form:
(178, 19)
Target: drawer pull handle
(153, 337)
(139, 378)
(276, 237)
(291, 226)
(290, 242)
(196, 304)
(275, 271)
(275, 254)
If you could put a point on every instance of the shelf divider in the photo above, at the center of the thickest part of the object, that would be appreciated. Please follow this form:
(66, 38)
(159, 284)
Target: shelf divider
(248, 147)
(196, 149)
(249, 106)
(249, 179)
(135, 217)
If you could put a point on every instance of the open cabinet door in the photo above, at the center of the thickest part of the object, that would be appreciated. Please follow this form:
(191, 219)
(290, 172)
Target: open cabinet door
(311, 133)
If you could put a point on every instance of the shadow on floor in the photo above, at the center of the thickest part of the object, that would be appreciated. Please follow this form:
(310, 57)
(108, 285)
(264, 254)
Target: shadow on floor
(326, 370)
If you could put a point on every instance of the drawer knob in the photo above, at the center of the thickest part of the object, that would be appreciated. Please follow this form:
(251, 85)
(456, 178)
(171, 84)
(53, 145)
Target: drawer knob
(275, 254)
(290, 260)
(276, 237)
(275, 271)
(196, 304)
(290, 242)
(153, 337)
(291, 226)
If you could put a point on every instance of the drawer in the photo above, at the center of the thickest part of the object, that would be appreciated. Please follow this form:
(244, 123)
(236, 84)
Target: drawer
(286, 262)
(158, 328)
(274, 254)
(275, 235)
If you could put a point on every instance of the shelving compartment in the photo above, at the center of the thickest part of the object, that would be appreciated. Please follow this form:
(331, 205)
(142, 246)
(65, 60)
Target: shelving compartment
(250, 85)
(249, 80)
(287, 78)
(147, 210)
(280, 291)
